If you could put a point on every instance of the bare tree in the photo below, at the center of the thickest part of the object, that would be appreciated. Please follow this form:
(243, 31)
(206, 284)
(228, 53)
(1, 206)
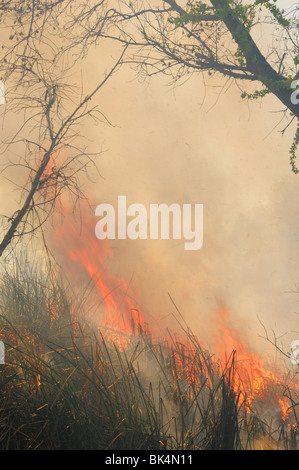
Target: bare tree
(255, 43)
(51, 110)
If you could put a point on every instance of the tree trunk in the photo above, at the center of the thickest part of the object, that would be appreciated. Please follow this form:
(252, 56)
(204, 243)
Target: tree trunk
(255, 61)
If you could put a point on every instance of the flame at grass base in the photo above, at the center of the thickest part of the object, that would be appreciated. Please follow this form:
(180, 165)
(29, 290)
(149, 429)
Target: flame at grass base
(257, 384)
(83, 253)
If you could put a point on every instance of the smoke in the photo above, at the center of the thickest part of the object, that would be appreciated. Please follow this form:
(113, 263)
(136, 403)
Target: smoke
(201, 145)
(194, 144)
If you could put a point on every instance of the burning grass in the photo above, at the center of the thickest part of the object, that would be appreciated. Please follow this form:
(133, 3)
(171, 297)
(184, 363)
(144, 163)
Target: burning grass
(67, 385)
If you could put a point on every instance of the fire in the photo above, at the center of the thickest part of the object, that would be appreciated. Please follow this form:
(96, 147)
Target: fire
(48, 181)
(256, 383)
(82, 252)
(285, 409)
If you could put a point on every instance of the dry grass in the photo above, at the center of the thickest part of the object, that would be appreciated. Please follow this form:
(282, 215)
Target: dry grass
(68, 386)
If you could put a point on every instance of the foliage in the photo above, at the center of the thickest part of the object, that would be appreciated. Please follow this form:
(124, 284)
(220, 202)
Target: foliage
(294, 149)
(244, 15)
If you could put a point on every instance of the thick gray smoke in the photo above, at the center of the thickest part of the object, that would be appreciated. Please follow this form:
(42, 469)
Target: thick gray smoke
(228, 155)
(196, 145)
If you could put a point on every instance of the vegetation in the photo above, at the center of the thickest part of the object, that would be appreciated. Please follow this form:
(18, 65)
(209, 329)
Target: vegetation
(252, 43)
(66, 385)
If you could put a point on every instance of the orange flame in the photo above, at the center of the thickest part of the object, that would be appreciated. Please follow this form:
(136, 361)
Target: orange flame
(253, 379)
(285, 409)
(82, 250)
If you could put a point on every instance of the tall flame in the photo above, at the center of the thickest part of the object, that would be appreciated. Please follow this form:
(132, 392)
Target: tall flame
(76, 241)
(83, 251)
(256, 382)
